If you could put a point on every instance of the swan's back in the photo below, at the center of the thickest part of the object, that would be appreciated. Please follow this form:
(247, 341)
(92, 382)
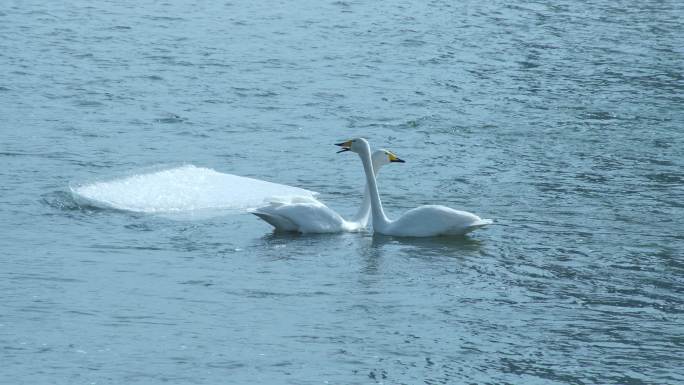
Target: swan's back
(433, 220)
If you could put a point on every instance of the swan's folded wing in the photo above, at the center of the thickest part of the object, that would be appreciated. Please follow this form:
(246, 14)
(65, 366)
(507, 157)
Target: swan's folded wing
(271, 214)
(311, 216)
(291, 199)
(278, 222)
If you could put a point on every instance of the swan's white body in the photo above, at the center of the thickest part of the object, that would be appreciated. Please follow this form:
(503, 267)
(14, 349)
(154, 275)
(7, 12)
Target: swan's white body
(423, 221)
(309, 215)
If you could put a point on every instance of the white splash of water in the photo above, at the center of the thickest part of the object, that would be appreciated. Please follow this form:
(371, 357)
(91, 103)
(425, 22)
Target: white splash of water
(182, 189)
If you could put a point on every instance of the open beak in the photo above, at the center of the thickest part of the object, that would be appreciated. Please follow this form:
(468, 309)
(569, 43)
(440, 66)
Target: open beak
(346, 146)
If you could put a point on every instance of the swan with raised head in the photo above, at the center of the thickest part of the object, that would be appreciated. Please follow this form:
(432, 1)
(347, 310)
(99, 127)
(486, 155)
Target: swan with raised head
(308, 215)
(423, 221)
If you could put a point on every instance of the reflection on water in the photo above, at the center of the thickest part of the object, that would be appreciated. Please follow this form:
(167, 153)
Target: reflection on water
(442, 246)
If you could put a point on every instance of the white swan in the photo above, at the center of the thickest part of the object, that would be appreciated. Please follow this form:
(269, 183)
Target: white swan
(308, 215)
(423, 221)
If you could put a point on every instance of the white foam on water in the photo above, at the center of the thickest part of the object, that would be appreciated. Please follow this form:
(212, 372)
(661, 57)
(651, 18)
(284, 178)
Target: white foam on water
(181, 190)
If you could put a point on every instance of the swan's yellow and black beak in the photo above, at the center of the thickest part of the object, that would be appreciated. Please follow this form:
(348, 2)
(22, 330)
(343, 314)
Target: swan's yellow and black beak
(346, 146)
(394, 158)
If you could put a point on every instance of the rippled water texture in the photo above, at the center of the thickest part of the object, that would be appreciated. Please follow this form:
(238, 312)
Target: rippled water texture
(562, 121)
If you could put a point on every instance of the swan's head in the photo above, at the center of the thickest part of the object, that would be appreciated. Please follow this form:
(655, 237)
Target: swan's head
(379, 157)
(354, 145)
(383, 157)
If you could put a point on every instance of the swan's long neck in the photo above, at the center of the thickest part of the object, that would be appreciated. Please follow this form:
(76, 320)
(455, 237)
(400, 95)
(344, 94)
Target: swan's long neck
(379, 219)
(363, 215)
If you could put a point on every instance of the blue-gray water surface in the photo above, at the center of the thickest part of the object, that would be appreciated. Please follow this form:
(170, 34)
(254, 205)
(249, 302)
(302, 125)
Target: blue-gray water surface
(563, 121)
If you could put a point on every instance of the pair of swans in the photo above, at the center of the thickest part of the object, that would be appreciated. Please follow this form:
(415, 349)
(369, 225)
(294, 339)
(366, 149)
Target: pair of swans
(308, 215)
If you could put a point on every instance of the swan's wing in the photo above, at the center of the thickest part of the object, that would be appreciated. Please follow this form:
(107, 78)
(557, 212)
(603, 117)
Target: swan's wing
(278, 222)
(434, 220)
(274, 214)
(286, 200)
(306, 217)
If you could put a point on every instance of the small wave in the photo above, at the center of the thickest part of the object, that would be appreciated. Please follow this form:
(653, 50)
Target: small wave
(171, 119)
(88, 103)
(62, 200)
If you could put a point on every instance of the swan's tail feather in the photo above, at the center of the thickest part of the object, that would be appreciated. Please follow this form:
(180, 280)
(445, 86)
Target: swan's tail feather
(278, 222)
(478, 224)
